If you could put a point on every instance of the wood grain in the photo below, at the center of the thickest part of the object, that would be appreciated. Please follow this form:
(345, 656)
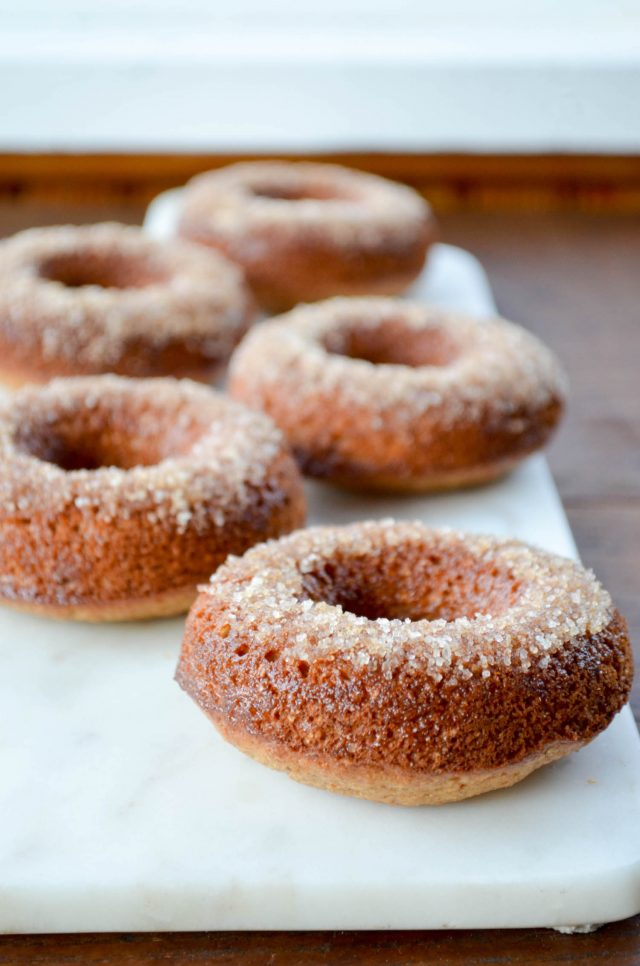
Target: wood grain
(575, 280)
(615, 945)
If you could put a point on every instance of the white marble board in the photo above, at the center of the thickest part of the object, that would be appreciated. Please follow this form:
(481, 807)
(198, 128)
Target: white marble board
(121, 808)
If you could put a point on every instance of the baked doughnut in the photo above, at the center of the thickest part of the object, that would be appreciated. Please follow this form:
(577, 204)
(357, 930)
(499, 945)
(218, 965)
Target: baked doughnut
(403, 664)
(106, 298)
(384, 394)
(117, 496)
(303, 232)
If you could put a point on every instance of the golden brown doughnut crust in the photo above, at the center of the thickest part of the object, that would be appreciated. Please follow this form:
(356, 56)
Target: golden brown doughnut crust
(407, 665)
(304, 232)
(383, 394)
(118, 495)
(106, 298)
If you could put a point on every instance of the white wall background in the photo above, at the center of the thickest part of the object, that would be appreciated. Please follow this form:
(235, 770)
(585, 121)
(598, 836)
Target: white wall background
(287, 74)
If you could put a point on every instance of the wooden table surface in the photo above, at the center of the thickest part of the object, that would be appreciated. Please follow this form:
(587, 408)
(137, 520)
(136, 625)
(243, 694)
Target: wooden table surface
(574, 279)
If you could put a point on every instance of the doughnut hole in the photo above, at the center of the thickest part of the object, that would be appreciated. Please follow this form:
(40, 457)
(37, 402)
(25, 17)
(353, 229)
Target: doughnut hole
(114, 433)
(393, 342)
(413, 582)
(297, 191)
(78, 269)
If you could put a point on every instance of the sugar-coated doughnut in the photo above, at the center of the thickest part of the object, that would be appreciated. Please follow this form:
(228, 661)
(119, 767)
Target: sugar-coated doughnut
(403, 664)
(304, 232)
(385, 394)
(106, 298)
(117, 495)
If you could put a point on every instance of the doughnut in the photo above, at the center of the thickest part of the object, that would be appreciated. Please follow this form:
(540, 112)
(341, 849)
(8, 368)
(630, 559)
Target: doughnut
(389, 395)
(304, 232)
(83, 300)
(402, 664)
(118, 496)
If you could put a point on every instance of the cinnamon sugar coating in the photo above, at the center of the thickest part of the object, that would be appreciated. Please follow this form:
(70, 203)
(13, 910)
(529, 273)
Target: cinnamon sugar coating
(405, 654)
(106, 298)
(115, 490)
(382, 393)
(303, 232)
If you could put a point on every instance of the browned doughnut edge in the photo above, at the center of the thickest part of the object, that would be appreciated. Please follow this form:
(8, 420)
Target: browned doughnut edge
(389, 785)
(498, 730)
(310, 270)
(20, 367)
(166, 604)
